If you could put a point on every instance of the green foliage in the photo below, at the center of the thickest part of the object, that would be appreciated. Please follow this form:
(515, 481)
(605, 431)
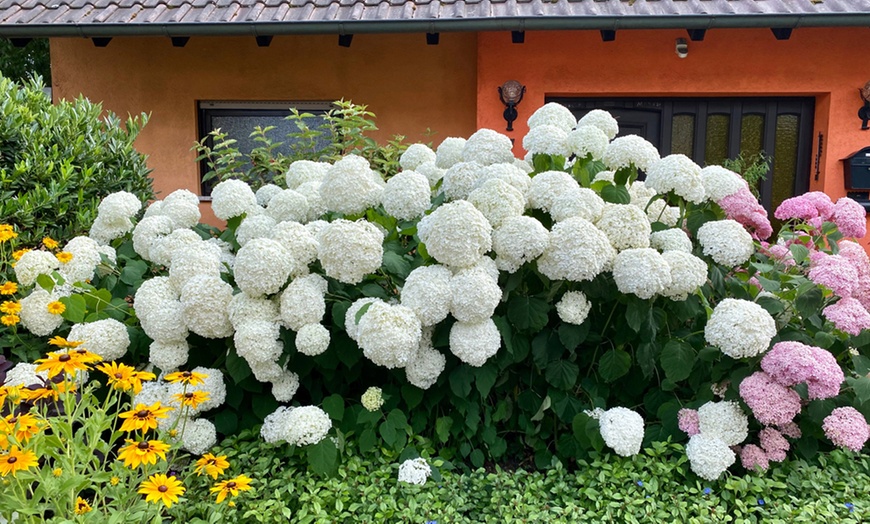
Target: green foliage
(21, 63)
(654, 486)
(754, 169)
(57, 161)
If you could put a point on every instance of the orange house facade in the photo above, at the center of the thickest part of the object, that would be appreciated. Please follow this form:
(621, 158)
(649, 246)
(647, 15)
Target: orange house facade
(708, 78)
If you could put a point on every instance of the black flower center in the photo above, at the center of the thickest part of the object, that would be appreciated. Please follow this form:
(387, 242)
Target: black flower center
(162, 489)
(231, 484)
(12, 460)
(143, 445)
(143, 414)
(64, 358)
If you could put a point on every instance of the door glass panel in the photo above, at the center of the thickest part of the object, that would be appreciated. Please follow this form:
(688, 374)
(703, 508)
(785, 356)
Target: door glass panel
(716, 149)
(784, 158)
(751, 135)
(683, 135)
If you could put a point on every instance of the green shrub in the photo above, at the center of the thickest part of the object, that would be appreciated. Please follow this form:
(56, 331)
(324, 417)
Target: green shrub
(58, 161)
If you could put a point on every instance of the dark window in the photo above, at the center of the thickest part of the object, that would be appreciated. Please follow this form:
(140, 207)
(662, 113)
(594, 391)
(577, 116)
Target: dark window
(710, 130)
(238, 120)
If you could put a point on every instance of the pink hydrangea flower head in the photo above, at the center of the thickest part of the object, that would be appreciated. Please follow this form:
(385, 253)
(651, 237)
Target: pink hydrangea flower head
(797, 207)
(835, 272)
(857, 256)
(850, 217)
(782, 254)
(822, 202)
(790, 430)
(751, 456)
(777, 455)
(743, 207)
(827, 376)
(772, 440)
(846, 427)
(848, 315)
(789, 363)
(688, 421)
(770, 402)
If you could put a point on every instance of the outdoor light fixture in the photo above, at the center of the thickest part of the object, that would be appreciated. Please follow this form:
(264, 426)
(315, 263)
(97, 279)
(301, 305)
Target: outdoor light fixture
(511, 93)
(345, 40)
(864, 112)
(682, 48)
(263, 40)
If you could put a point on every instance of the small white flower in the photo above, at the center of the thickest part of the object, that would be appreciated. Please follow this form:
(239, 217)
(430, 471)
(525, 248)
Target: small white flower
(573, 307)
(372, 399)
(688, 273)
(622, 430)
(426, 365)
(303, 302)
(414, 471)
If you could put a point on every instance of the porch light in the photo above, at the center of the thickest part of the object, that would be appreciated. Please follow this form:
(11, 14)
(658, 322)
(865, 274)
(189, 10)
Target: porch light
(511, 93)
(682, 48)
(864, 112)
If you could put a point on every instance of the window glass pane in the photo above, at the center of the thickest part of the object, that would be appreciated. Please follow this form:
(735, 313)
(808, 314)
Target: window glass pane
(751, 135)
(784, 158)
(717, 139)
(683, 135)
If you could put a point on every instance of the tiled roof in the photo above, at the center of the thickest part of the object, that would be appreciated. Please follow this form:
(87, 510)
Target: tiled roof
(23, 18)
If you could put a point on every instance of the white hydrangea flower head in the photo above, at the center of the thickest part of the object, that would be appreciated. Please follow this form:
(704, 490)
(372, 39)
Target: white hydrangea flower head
(548, 186)
(431, 171)
(485, 264)
(266, 193)
(688, 274)
(348, 251)
(553, 114)
(24, 374)
(32, 264)
(630, 149)
(573, 307)
(586, 141)
(372, 399)
(622, 430)
(316, 207)
(577, 251)
(456, 234)
(407, 195)
(642, 272)
(205, 299)
(103, 231)
(415, 155)
(351, 186)
(34, 313)
(626, 226)
(233, 198)
(602, 120)
(459, 180)
(262, 267)
(303, 302)
(605, 175)
(254, 226)
(148, 231)
(168, 356)
(305, 171)
(155, 208)
(389, 335)
(414, 471)
(677, 173)
(351, 326)
(475, 295)
(266, 370)
(740, 328)
(284, 388)
(726, 242)
(276, 425)
(725, 421)
(119, 206)
(510, 173)
(312, 339)
(299, 242)
(107, 338)
(197, 436)
(720, 182)
(474, 343)
(548, 140)
(316, 227)
(307, 425)
(151, 295)
(519, 240)
(288, 205)
(195, 260)
(709, 457)
(257, 341)
(523, 166)
(164, 321)
(228, 258)
(163, 247)
(151, 392)
(427, 292)
(673, 239)
(449, 152)
(182, 207)
(487, 147)
(579, 202)
(498, 200)
(426, 365)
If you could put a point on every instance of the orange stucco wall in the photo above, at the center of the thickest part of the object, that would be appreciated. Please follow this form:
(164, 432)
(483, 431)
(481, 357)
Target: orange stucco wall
(829, 64)
(409, 86)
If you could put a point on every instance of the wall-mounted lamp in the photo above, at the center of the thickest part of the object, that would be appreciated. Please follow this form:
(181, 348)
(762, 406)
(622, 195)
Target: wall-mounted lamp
(864, 112)
(511, 93)
(682, 48)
